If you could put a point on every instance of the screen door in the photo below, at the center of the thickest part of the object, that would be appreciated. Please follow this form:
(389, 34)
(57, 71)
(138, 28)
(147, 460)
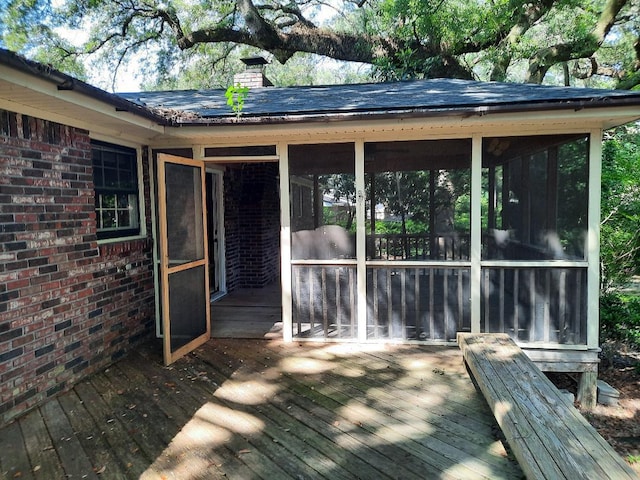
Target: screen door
(184, 260)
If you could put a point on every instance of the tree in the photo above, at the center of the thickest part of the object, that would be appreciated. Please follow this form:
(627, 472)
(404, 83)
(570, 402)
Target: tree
(498, 39)
(620, 236)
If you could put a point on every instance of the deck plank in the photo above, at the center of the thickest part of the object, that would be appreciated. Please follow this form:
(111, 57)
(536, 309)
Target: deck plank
(129, 456)
(14, 458)
(185, 451)
(42, 454)
(255, 409)
(316, 431)
(90, 436)
(433, 458)
(72, 456)
(548, 435)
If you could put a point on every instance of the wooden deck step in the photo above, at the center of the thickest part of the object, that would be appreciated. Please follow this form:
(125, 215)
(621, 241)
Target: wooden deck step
(548, 436)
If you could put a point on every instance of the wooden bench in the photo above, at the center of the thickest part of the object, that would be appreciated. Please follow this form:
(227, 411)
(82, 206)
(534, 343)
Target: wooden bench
(548, 436)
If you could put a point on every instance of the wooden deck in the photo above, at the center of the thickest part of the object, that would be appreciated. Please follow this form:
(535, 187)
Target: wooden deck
(248, 313)
(256, 409)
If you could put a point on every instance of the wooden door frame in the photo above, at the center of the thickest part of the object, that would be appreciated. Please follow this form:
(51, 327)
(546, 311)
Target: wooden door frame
(166, 270)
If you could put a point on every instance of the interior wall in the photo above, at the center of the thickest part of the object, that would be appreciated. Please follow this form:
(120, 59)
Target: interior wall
(252, 225)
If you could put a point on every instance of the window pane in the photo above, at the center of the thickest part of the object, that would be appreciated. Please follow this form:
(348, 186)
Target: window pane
(322, 201)
(116, 199)
(123, 201)
(124, 219)
(535, 196)
(418, 200)
(109, 219)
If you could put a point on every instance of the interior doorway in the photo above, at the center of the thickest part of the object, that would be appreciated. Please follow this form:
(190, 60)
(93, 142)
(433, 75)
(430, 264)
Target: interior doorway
(215, 227)
(249, 301)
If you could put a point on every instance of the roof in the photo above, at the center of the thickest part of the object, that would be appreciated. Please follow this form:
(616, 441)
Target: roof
(270, 105)
(418, 97)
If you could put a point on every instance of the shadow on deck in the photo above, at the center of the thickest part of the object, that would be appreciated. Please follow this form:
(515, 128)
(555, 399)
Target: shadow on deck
(250, 409)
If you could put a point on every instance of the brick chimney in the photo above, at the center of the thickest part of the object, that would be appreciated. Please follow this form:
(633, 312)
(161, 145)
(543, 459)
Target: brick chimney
(253, 76)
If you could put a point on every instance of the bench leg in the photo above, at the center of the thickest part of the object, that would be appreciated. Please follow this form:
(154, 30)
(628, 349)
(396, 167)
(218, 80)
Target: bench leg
(588, 390)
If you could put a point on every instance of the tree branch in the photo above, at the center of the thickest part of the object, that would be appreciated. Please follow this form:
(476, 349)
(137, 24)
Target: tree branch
(544, 59)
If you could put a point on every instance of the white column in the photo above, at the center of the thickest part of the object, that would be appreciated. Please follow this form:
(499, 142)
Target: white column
(361, 238)
(476, 231)
(593, 239)
(285, 244)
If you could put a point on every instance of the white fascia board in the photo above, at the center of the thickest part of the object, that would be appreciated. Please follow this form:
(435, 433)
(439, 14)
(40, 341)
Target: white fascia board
(549, 122)
(23, 82)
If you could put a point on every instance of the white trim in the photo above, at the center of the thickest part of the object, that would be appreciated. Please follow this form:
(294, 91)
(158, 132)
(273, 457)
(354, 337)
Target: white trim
(154, 232)
(417, 264)
(285, 245)
(476, 232)
(221, 266)
(459, 125)
(593, 239)
(351, 262)
(132, 238)
(361, 239)
(553, 346)
(242, 159)
(535, 263)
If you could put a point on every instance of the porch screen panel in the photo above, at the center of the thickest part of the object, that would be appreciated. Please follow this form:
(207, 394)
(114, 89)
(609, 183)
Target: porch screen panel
(323, 246)
(414, 303)
(535, 304)
(418, 200)
(184, 214)
(322, 201)
(535, 192)
(187, 300)
(324, 301)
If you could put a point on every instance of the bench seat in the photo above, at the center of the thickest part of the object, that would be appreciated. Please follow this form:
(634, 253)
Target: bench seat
(547, 434)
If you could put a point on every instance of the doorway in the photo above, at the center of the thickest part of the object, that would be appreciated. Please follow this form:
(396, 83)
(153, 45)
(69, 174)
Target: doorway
(215, 227)
(250, 229)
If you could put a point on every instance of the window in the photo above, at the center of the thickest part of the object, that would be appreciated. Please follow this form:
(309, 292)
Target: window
(115, 175)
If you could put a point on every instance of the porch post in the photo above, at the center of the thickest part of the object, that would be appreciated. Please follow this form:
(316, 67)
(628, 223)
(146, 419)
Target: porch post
(285, 243)
(593, 240)
(361, 236)
(476, 230)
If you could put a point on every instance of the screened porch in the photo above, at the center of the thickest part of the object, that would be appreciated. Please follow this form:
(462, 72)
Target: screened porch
(417, 240)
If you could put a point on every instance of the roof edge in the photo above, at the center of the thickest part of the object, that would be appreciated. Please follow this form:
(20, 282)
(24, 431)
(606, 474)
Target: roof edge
(418, 112)
(67, 82)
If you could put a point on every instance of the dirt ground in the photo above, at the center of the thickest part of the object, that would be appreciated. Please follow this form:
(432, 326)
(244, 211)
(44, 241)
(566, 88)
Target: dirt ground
(619, 425)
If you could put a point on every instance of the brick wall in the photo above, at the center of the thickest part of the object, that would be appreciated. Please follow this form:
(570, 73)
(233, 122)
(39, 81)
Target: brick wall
(252, 225)
(67, 306)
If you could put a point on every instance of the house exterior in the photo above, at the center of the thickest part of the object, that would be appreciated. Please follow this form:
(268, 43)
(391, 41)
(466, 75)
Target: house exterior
(385, 212)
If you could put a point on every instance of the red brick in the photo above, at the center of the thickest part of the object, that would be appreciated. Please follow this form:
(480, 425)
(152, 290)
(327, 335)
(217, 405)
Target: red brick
(59, 270)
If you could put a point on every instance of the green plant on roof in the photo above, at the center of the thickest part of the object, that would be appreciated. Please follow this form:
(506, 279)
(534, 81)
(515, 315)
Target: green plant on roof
(236, 95)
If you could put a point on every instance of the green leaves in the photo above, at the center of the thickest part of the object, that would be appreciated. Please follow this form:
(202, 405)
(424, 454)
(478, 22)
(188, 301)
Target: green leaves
(510, 40)
(236, 95)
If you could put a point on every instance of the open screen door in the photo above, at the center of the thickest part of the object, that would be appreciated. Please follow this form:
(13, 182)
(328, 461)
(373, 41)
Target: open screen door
(184, 261)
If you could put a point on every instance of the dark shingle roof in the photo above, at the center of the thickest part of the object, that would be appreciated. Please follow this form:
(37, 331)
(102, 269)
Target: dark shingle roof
(422, 97)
